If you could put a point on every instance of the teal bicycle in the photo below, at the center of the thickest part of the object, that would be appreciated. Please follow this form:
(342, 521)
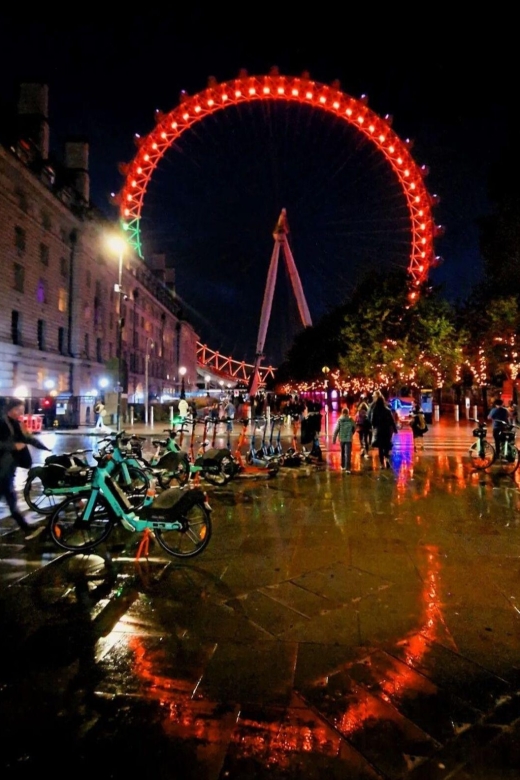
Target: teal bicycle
(60, 476)
(179, 518)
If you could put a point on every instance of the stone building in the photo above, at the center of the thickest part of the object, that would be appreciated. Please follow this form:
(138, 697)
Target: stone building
(59, 285)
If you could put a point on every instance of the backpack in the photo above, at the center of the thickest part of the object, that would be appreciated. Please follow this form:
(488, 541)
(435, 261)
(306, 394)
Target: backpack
(98, 407)
(421, 422)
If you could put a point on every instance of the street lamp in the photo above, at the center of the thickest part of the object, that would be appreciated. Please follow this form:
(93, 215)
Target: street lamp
(221, 383)
(118, 245)
(182, 372)
(206, 381)
(149, 343)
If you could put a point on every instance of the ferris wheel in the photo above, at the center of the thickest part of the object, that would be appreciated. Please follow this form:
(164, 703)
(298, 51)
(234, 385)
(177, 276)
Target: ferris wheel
(274, 93)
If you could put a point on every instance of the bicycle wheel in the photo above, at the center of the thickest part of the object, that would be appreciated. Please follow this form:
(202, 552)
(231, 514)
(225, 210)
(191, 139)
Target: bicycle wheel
(71, 532)
(135, 485)
(182, 472)
(482, 455)
(36, 499)
(217, 477)
(192, 537)
(508, 460)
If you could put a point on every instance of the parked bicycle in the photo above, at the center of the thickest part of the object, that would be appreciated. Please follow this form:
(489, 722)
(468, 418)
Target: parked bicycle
(481, 452)
(64, 475)
(179, 518)
(508, 457)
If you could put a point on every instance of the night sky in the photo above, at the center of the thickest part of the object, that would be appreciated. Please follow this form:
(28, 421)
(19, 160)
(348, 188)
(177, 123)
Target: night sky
(214, 199)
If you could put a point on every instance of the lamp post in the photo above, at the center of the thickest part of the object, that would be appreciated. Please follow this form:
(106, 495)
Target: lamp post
(206, 381)
(118, 245)
(182, 372)
(149, 343)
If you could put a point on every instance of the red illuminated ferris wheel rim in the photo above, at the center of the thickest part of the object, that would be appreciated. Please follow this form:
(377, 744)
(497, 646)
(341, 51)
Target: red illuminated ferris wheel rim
(290, 89)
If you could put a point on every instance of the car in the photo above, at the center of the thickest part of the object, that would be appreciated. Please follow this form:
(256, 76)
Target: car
(402, 406)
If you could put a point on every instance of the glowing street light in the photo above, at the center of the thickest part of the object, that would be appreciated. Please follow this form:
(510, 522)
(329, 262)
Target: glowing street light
(182, 372)
(118, 245)
(206, 381)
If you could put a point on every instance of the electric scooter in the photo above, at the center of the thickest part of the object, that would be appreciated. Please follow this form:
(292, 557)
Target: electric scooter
(217, 466)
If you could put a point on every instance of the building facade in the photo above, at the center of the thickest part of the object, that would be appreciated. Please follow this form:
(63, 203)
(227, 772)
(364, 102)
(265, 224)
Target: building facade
(62, 331)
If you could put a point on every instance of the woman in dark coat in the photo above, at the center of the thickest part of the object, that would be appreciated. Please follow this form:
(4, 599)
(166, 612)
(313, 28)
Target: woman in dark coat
(383, 427)
(13, 453)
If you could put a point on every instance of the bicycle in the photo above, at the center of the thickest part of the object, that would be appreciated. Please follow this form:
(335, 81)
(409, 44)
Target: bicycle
(481, 452)
(168, 463)
(508, 456)
(48, 485)
(179, 518)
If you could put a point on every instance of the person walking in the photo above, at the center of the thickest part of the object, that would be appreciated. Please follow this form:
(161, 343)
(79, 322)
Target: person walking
(498, 415)
(229, 415)
(418, 426)
(383, 428)
(344, 430)
(14, 453)
(183, 408)
(363, 428)
(99, 410)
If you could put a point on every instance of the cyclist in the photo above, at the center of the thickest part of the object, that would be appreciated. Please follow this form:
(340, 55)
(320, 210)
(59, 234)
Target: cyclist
(498, 415)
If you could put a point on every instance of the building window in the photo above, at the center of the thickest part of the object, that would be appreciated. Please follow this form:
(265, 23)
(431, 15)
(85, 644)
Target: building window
(87, 345)
(41, 292)
(19, 277)
(61, 341)
(62, 299)
(64, 266)
(20, 239)
(16, 327)
(99, 352)
(44, 254)
(22, 201)
(41, 334)
(46, 220)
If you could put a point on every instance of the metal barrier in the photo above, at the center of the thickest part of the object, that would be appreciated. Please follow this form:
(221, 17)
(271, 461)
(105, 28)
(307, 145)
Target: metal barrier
(33, 422)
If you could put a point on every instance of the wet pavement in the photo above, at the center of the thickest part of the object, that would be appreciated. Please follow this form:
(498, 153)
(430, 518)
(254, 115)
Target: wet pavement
(347, 626)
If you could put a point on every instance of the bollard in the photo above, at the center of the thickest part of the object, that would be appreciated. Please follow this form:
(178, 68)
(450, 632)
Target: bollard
(132, 416)
(326, 419)
(456, 410)
(475, 412)
(171, 416)
(436, 412)
(268, 414)
(151, 416)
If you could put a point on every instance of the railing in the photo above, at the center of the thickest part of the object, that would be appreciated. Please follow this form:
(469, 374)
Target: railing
(229, 367)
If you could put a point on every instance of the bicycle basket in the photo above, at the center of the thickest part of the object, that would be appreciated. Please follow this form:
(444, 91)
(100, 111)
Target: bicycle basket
(79, 476)
(479, 431)
(508, 436)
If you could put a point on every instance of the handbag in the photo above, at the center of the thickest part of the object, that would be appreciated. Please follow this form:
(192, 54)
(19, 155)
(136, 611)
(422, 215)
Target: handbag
(24, 458)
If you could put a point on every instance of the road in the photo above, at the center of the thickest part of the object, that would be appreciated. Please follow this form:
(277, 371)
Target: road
(361, 626)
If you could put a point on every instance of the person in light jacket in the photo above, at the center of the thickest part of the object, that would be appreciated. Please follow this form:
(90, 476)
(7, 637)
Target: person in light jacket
(344, 430)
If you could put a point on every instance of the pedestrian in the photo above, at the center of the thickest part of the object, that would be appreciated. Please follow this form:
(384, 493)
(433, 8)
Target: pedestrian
(99, 411)
(182, 408)
(418, 426)
(344, 430)
(383, 428)
(363, 427)
(498, 415)
(229, 415)
(14, 453)
(512, 411)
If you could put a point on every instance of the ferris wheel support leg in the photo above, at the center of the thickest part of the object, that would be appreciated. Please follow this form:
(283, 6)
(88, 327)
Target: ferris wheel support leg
(268, 299)
(296, 285)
